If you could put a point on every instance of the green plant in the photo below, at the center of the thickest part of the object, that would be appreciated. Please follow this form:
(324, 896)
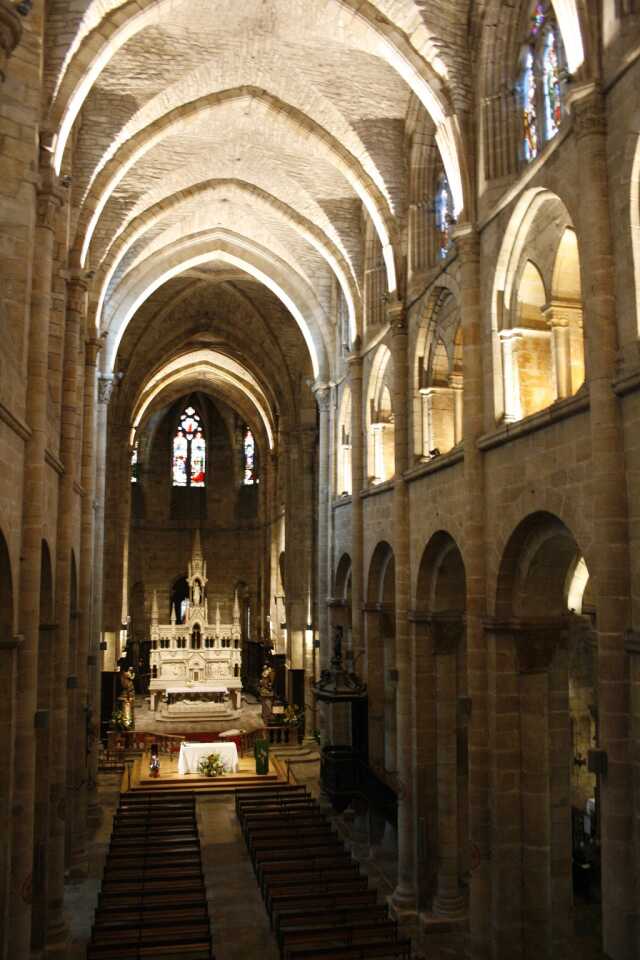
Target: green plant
(119, 721)
(211, 766)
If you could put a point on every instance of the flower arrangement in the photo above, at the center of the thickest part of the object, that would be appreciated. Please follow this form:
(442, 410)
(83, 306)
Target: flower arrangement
(292, 715)
(211, 766)
(119, 721)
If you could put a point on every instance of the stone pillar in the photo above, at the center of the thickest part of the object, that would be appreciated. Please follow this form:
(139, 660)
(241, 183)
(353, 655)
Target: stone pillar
(357, 483)
(9, 673)
(374, 675)
(633, 650)
(10, 34)
(610, 546)
(424, 756)
(323, 396)
(86, 645)
(447, 636)
(404, 896)
(35, 469)
(510, 341)
(456, 383)
(75, 319)
(476, 655)
(560, 351)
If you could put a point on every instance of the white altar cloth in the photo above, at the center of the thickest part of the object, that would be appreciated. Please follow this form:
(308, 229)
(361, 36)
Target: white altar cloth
(192, 753)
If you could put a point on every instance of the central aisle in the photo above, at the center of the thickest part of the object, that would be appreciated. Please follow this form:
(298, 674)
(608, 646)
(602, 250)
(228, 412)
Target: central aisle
(239, 921)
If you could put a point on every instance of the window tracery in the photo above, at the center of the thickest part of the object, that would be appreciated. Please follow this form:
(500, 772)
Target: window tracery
(189, 451)
(540, 87)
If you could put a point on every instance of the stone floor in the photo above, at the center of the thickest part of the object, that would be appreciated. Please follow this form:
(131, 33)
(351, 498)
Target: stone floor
(239, 921)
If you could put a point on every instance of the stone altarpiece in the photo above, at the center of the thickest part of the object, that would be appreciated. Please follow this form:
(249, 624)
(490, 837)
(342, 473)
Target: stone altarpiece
(196, 664)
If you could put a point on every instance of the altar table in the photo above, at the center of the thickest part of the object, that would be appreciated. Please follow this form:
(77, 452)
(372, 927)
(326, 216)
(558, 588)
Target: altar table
(192, 753)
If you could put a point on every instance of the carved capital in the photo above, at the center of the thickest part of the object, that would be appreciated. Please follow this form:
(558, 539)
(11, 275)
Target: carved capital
(322, 393)
(49, 202)
(10, 34)
(397, 317)
(106, 383)
(77, 287)
(589, 118)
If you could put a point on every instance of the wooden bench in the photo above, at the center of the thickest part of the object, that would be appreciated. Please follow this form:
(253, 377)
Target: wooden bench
(290, 921)
(390, 950)
(277, 867)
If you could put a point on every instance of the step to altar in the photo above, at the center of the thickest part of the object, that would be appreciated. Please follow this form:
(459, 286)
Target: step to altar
(228, 783)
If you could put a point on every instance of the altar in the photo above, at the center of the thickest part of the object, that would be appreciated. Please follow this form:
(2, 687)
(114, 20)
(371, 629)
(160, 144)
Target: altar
(196, 664)
(192, 753)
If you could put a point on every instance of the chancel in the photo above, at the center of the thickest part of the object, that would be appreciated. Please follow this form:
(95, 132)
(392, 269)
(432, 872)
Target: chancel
(195, 664)
(319, 479)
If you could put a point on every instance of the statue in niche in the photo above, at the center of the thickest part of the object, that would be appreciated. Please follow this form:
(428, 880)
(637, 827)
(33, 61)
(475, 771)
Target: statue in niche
(197, 593)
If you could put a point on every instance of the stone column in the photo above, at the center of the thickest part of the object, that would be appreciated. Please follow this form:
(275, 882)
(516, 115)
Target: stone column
(323, 396)
(8, 706)
(633, 650)
(86, 644)
(404, 896)
(510, 341)
(10, 34)
(75, 319)
(374, 675)
(449, 901)
(610, 545)
(357, 529)
(35, 469)
(560, 350)
(456, 383)
(467, 244)
(424, 756)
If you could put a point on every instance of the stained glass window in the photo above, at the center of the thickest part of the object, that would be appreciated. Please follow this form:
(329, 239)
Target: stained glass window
(551, 85)
(529, 115)
(539, 84)
(189, 451)
(443, 215)
(134, 463)
(249, 450)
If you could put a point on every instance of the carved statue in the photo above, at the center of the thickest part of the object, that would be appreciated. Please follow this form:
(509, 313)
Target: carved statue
(265, 686)
(197, 596)
(126, 682)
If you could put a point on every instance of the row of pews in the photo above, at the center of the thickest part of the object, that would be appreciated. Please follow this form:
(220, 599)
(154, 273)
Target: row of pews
(320, 906)
(152, 903)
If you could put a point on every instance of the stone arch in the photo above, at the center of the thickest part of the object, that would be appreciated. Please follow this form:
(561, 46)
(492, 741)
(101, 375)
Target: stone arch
(344, 483)
(340, 614)
(542, 343)
(342, 589)
(442, 724)
(294, 293)
(93, 49)
(298, 123)
(439, 375)
(329, 247)
(544, 650)
(380, 649)
(379, 418)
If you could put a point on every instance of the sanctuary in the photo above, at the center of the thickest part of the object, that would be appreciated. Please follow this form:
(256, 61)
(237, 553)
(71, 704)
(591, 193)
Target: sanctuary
(195, 664)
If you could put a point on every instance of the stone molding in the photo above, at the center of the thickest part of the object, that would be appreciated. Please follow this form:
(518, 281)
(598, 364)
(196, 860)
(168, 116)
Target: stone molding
(55, 462)
(560, 410)
(587, 108)
(535, 641)
(18, 426)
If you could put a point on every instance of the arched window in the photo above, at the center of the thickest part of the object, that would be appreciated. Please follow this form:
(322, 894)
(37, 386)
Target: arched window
(189, 451)
(540, 88)
(249, 455)
(443, 208)
(134, 463)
